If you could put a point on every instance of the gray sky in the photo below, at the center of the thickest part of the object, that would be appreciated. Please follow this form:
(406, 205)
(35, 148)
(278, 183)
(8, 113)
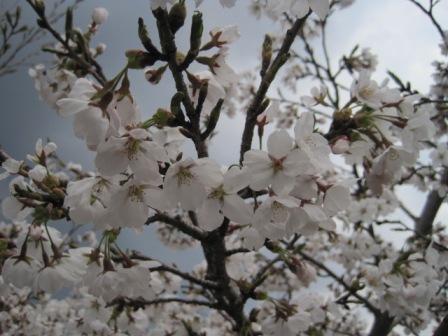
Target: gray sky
(397, 32)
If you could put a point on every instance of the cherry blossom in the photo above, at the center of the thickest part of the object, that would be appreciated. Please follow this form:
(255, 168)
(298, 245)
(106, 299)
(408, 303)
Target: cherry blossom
(313, 230)
(223, 200)
(133, 150)
(90, 123)
(278, 166)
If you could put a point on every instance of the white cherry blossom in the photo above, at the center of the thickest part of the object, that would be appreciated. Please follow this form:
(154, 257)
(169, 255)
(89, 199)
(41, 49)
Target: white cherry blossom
(223, 200)
(90, 123)
(189, 177)
(134, 150)
(312, 144)
(278, 167)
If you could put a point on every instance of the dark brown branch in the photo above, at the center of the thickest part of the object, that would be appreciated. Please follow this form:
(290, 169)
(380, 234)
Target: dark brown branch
(429, 13)
(186, 276)
(169, 49)
(442, 329)
(260, 277)
(341, 281)
(432, 205)
(382, 325)
(178, 224)
(140, 303)
(255, 107)
(236, 251)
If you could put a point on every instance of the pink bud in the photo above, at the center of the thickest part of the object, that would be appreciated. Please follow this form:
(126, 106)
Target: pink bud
(36, 232)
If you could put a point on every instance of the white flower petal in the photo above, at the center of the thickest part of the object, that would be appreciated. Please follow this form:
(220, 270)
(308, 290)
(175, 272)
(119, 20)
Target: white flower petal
(279, 144)
(236, 209)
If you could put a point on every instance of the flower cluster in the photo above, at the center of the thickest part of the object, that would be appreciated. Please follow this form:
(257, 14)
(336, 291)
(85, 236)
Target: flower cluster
(296, 236)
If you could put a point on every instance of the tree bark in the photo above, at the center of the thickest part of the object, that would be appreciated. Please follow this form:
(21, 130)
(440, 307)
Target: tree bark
(382, 325)
(442, 329)
(432, 205)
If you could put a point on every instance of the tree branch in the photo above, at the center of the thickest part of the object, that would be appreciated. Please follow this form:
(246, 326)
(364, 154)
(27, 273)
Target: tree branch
(140, 303)
(442, 329)
(91, 66)
(341, 281)
(430, 14)
(178, 224)
(382, 325)
(255, 107)
(186, 276)
(434, 201)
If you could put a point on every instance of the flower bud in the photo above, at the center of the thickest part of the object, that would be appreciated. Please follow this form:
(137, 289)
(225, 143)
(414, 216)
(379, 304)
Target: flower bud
(177, 15)
(153, 75)
(100, 48)
(51, 181)
(266, 54)
(138, 59)
(213, 119)
(162, 117)
(197, 29)
(35, 232)
(100, 15)
(40, 6)
(59, 192)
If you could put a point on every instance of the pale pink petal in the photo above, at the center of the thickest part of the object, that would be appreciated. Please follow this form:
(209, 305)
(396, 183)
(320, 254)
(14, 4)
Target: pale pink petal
(279, 144)
(236, 209)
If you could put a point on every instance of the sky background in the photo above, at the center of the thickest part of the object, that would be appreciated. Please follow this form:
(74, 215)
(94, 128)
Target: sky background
(395, 30)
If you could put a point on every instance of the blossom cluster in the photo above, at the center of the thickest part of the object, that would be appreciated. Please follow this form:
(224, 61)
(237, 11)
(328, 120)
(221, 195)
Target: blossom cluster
(309, 204)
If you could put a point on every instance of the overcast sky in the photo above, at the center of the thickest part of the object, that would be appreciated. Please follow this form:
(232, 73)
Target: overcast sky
(397, 32)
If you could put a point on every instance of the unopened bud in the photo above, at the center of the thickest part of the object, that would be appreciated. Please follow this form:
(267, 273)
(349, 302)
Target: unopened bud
(35, 232)
(155, 75)
(175, 106)
(343, 114)
(266, 54)
(162, 117)
(100, 48)
(59, 192)
(51, 181)
(139, 59)
(215, 113)
(180, 57)
(144, 37)
(56, 214)
(40, 6)
(100, 15)
(177, 15)
(195, 81)
(197, 29)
